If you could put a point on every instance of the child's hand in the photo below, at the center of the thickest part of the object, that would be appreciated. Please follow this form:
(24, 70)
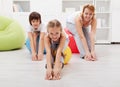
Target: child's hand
(40, 56)
(56, 74)
(34, 57)
(49, 74)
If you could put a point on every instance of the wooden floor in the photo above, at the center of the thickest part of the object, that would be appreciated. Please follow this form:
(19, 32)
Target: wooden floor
(17, 70)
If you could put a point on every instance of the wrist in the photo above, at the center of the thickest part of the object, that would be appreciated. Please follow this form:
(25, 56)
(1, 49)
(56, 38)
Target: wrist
(34, 53)
(92, 51)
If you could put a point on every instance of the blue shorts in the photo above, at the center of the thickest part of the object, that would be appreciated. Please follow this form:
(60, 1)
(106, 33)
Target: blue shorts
(37, 45)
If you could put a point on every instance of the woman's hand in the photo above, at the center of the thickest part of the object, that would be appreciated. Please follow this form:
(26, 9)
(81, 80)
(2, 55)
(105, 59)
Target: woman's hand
(88, 56)
(93, 56)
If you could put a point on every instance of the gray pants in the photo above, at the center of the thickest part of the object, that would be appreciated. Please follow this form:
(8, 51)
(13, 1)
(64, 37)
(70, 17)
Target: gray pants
(72, 28)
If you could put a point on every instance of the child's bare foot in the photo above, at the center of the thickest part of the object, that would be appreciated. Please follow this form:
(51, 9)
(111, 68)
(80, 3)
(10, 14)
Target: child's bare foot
(49, 75)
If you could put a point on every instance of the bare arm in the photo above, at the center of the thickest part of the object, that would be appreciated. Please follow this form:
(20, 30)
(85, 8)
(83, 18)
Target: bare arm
(48, 52)
(41, 46)
(32, 44)
(92, 34)
(60, 49)
(81, 35)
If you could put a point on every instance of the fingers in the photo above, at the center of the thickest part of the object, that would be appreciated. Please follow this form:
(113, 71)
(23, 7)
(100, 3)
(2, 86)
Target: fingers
(93, 57)
(57, 76)
(34, 58)
(48, 76)
(87, 58)
(40, 57)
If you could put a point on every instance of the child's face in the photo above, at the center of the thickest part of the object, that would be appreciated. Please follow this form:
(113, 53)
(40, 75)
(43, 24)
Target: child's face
(35, 23)
(88, 14)
(54, 33)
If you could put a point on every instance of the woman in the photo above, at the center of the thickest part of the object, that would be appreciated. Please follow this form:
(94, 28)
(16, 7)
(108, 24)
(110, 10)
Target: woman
(83, 27)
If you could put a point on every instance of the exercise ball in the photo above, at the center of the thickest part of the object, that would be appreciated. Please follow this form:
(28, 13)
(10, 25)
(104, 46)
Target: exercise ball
(67, 55)
(72, 43)
(12, 35)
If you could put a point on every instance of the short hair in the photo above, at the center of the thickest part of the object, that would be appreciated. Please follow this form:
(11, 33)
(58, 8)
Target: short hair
(34, 15)
(54, 23)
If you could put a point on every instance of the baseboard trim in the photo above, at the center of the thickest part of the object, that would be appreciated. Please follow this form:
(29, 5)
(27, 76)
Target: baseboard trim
(115, 42)
(102, 43)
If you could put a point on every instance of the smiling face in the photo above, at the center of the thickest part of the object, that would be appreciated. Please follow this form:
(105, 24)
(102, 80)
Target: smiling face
(54, 30)
(35, 19)
(35, 23)
(54, 33)
(87, 14)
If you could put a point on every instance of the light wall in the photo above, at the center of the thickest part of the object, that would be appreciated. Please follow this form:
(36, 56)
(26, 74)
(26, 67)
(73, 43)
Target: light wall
(52, 9)
(115, 21)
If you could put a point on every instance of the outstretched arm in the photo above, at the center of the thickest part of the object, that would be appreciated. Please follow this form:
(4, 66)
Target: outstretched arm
(60, 49)
(58, 63)
(79, 25)
(48, 58)
(41, 46)
(92, 37)
(32, 44)
(48, 52)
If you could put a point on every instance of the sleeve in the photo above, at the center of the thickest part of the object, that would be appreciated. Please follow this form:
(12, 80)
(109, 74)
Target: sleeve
(29, 29)
(43, 28)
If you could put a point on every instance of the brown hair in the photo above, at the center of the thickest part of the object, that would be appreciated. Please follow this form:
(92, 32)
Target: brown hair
(89, 6)
(54, 23)
(34, 15)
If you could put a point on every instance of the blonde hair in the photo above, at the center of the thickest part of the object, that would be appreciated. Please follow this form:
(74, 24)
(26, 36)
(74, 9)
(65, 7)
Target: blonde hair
(54, 23)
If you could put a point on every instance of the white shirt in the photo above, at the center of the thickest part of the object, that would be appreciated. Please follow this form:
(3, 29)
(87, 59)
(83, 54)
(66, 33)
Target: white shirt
(41, 28)
(71, 18)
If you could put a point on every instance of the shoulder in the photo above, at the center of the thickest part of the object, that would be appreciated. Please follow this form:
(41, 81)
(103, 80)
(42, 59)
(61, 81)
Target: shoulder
(29, 28)
(42, 27)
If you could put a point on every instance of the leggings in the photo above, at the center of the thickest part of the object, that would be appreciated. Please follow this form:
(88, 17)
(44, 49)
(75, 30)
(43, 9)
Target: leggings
(72, 28)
